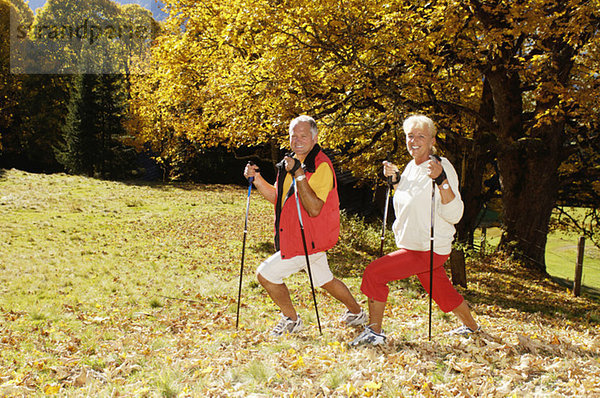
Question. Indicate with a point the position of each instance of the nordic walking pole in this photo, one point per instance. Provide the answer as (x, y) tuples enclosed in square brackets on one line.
[(237, 317), (431, 252), (385, 212), (312, 286)]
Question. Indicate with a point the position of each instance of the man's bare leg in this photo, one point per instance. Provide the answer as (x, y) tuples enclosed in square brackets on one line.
[(340, 291), (280, 295)]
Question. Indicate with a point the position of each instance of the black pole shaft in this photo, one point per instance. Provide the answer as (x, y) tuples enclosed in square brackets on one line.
[(431, 253), (237, 317), (312, 286)]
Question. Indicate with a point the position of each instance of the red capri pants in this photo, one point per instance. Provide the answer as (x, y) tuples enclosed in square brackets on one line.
[(404, 263)]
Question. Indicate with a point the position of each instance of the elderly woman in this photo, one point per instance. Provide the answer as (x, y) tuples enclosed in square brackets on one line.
[(412, 206)]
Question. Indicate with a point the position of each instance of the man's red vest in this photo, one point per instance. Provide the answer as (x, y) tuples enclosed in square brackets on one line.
[(321, 232)]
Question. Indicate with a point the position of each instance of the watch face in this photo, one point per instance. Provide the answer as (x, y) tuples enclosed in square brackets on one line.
[(445, 186)]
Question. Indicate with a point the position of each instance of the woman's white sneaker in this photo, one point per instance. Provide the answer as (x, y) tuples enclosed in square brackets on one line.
[(462, 331), (369, 337)]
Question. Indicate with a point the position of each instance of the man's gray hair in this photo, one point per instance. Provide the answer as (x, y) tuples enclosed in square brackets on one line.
[(420, 121), (305, 118)]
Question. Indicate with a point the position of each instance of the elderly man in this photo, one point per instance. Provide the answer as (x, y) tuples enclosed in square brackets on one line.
[(319, 204)]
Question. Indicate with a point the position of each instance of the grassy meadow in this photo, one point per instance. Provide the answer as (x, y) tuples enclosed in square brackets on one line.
[(128, 289), (561, 257)]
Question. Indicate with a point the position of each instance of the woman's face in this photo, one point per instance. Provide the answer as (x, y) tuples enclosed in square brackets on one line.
[(419, 143)]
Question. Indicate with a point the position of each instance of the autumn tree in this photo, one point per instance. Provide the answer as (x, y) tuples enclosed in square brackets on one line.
[(41, 104), (503, 81), (67, 38), (6, 84), (533, 56), (144, 29), (12, 13)]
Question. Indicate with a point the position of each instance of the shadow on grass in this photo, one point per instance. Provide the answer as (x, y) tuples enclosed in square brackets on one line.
[(492, 281), (265, 247), (185, 186), (510, 286), (348, 263), (589, 292)]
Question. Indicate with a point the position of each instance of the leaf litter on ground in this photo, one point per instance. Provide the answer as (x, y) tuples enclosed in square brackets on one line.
[(124, 289)]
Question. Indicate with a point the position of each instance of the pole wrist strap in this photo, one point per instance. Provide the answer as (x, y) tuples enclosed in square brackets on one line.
[(440, 179), (297, 165)]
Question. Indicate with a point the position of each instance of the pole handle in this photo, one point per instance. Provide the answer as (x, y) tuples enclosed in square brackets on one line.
[(385, 211), (251, 179), (389, 159)]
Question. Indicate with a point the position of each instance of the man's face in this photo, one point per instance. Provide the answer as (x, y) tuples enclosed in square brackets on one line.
[(419, 143), (301, 140)]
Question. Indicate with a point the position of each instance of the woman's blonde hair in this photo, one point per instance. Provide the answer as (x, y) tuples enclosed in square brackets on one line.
[(420, 121)]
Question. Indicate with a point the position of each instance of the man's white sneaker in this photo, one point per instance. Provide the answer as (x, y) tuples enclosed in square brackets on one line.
[(286, 325), (368, 336), (462, 331), (351, 319)]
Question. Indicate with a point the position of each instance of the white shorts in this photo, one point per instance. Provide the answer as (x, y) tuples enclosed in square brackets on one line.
[(275, 269)]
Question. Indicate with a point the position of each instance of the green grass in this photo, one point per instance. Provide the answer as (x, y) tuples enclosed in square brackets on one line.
[(128, 289), (561, 256)]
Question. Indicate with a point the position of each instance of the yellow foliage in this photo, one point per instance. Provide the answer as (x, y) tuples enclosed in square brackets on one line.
[(234, 73), (51, 389)]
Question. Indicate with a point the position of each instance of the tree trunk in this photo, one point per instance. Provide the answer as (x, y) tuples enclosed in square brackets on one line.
[(457, 266), (275, 151), (528, 204), (471, 178), (476, 154), (528, 164)]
